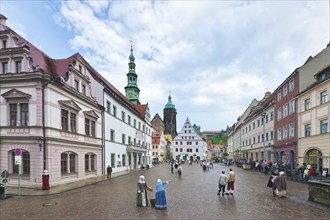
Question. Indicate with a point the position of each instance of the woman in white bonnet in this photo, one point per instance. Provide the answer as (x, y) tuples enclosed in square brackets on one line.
[(160, 194), (142, 196), (280, 185)]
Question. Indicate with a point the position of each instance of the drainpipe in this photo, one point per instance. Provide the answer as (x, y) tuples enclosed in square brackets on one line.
[(43, 118)]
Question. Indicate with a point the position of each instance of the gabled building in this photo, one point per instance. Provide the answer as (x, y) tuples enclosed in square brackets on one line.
[(285, 141), (48, 112), (159, 144), (313, 120), (188, 144)]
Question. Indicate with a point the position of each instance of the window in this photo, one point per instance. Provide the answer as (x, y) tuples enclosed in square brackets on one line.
[(83, 89), (5, 67), (258, 138), (64, 119), (129, 119), (112, 136), (180, 149), (76, 85), (114, 108), (254, 125), (73, 122), (285, 132), (272, 116), (123, 116), (93, 128), (285, 90), (24, 114), (279, 134), (196, 150), (123, 137), (291, 106), (18, 66), (123, 160), (323, 97), (267, 136), (108, 106), (279, 95), (307, 130), (323, 126), (4, 44), (13, 114), (87, 126), (258, 122), (291, 85), (134, 123), (130, 140), (285, 110), (307, 104), (291, 130), (113, 160), (267, 118), (139, 126), (279, 114), (271, 135), (80, 68), (196, 142)]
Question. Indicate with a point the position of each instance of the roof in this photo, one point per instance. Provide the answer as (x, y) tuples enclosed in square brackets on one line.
[(59, 67)]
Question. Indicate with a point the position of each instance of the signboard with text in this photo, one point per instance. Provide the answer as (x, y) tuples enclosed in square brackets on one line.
[(18, 160)]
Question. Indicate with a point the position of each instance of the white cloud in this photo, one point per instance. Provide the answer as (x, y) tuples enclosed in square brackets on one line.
[(213, 56)]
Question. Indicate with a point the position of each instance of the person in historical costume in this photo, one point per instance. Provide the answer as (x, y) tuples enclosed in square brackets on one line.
[(142, 195), (280, 185), (160, 194), (271, 182)]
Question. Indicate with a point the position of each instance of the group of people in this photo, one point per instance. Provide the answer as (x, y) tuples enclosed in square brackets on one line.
[(228, 180), (177, 166), (142, 195), (305, 172), (206, 164), (278, 183)]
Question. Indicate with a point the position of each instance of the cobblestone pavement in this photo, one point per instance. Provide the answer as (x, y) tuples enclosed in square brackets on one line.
[(192, 196)]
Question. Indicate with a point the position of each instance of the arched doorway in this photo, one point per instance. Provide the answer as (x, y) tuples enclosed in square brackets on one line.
[(282, 156), (291, 159), (314, 158), (276, 157)]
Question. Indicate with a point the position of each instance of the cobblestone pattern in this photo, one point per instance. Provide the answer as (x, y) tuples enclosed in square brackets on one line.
[(192, 196)]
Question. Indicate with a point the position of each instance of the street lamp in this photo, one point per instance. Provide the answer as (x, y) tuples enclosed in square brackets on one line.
[(263, 115)]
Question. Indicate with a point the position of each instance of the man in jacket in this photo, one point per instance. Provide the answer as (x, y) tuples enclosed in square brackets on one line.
[(222, 183)]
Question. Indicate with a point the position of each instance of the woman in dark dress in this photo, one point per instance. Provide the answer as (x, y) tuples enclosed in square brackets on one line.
[(142, 196)]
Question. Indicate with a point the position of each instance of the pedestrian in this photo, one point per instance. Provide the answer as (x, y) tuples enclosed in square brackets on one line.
[(142, 195), (222, 183), (280, 185), (109, 171), (271, 182), (160, 194), (311, 173), (171, 164), (231, 181), (180, 169)]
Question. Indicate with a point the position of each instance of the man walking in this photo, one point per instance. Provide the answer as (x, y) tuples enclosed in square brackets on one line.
[(231, 181), (222, 183)]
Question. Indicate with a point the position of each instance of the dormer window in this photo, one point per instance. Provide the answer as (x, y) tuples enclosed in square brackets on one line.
[(76, 85), (83, 89), (18, 66)]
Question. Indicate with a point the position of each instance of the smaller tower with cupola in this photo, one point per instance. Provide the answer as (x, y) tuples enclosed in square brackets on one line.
[(132, 91), (170, 118)]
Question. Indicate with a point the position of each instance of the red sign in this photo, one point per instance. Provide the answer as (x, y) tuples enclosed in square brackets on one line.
[(18, 152)]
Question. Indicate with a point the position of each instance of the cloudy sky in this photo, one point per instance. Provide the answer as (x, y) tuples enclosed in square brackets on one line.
[(214, 56)]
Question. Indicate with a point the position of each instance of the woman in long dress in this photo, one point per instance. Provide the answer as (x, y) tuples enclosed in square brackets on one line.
[(142, 196), (280, 185), (160, 194)]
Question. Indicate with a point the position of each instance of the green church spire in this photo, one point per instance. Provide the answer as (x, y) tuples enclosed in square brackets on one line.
[(169, 103), (132, 90)]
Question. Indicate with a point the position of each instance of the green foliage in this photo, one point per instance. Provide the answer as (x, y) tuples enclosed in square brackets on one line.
[(225, 154), (221, 138)]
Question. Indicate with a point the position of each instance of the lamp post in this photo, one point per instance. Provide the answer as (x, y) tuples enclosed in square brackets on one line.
[(263, 114)]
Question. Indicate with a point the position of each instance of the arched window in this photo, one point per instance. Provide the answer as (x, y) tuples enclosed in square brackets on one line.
[(314, 158), (68, 163)]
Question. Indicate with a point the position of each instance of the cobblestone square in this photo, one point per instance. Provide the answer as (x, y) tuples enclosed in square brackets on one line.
[(192, 196)]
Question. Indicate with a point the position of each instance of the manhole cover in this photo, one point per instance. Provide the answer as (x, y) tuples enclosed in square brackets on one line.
[(49, 204)]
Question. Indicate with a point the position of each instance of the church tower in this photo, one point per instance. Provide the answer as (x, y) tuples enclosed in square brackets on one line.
[(132, 91), (170, 118)]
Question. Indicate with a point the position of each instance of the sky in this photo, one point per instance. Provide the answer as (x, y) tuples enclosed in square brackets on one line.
[(213, 57)]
